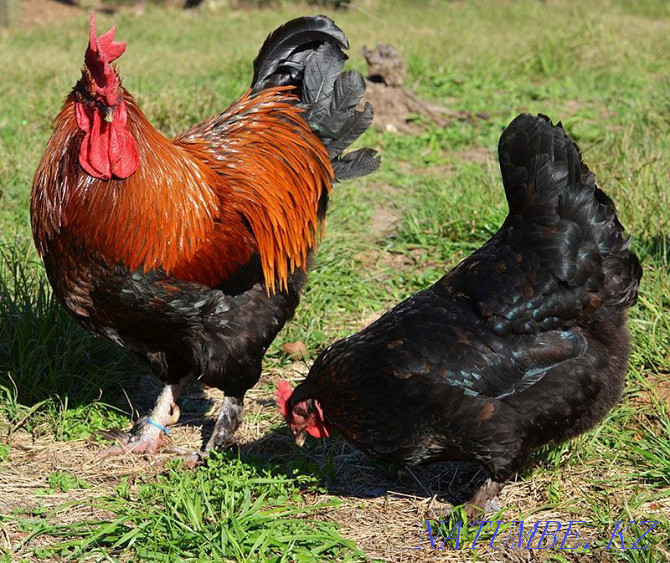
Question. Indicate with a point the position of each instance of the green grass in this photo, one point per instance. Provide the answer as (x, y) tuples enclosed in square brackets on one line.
[(55, 371), (232, 510), (601, 68)]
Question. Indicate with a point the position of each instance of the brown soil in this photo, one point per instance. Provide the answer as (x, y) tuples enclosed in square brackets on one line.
[(398, 109)]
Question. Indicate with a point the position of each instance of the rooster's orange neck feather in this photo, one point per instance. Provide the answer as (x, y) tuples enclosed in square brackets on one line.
[(249, 180)]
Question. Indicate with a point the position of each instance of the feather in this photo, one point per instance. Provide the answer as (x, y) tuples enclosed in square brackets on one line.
[(321, 72), (307, 53), (521, 344), (196, 257), (348, 130), (281, 60), (356, 163)]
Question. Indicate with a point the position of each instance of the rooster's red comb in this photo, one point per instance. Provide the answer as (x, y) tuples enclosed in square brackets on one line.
[(101, 52)]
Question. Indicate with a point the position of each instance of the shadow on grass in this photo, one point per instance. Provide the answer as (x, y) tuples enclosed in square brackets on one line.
[(347, 472)]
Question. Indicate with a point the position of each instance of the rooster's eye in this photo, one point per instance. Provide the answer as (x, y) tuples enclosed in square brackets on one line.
[(301, 412)]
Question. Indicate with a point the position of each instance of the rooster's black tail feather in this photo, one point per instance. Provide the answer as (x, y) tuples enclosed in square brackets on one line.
[(307, 53)]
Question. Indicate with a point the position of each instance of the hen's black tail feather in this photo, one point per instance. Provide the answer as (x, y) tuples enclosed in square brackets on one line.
[(307, 53), (546, 181)]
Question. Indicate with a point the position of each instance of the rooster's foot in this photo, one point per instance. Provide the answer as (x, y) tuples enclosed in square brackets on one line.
[(192, 459), (146, 437), (149, 433), (227, 423)]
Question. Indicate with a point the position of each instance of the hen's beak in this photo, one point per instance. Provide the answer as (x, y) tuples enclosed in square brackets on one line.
[(300, 438), (108, 113)]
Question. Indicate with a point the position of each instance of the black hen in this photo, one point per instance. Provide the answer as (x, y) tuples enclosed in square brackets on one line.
[(523, 343)]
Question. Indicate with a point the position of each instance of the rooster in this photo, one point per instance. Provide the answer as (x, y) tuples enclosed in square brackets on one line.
[(523, 343), (193, 251)]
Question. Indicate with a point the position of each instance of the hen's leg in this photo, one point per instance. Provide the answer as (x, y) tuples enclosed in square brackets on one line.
[(481, 502), (148, 433)]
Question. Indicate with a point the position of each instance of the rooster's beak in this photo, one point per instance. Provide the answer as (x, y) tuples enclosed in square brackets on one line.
[(108, 113)]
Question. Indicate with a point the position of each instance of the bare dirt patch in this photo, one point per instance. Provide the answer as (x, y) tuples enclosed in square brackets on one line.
[(659, 388), (480, 155), (385, 216), (398, 109), (383, 222), (661, 385)]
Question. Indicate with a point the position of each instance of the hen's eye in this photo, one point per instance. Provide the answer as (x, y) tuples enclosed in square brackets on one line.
[(301, 412)]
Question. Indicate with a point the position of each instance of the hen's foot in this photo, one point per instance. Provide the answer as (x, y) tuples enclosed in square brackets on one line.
[(149, 433), (484, 500)]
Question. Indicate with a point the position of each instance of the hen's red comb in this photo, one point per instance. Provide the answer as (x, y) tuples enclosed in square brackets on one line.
[(284, 392), (100, 53)]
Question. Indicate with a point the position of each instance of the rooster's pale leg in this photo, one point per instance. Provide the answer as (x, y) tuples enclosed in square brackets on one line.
[(147, 436)]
